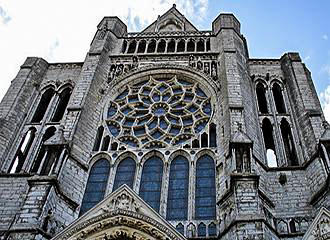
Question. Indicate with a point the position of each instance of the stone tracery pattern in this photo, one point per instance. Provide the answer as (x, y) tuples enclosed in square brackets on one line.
[(159, 112)]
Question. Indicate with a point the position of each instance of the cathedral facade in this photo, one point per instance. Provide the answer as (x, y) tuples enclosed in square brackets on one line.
[(167, 133)]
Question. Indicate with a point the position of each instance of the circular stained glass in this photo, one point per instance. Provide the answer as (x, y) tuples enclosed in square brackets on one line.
[(159, 112)]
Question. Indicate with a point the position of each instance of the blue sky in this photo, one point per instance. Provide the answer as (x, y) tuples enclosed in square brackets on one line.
[(61, 31)]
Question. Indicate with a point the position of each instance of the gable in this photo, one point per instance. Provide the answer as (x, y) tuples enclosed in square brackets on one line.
[(122, 214), (172, 20), (320, 227)]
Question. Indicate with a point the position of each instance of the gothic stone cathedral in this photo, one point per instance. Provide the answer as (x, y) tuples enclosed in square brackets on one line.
[(171, 134)]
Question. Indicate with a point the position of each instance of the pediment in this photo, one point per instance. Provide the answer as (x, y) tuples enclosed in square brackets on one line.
[(121, 215), (171, 21), (320, 227)]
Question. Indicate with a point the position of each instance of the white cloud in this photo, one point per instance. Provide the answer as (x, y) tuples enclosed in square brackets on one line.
[(4, 16), (325, 101), (326, 69), (325, 37), (61, 31)]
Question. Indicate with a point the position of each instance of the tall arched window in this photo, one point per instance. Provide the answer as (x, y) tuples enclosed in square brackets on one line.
[(161, 46), (23, 151), (181, 46), (96, 185), (131, 47), (151, 46), (261, 97), (267, 130), (43, 105), (213, 135), (278, 98), (191, 45), (171, 46), (43, 149), (151, 182), (289, 145), (98, 138), (125, 173), (205, 189), (177, 200), (200, 46), (142, 46), (62, 104)]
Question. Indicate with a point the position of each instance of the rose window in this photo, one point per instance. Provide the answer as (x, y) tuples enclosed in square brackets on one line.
[(158, 112)]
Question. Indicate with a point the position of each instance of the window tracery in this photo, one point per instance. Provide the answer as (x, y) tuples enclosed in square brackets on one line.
[(159, 112)]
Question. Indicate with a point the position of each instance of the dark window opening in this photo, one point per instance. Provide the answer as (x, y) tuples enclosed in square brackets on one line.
[(191, 46), (292, 226), (124, 46), (201, 230), (200, 46), (278, 98), (204, 140), (181, 46), (212, 230), (105, 143), (261, 97), (96, 185), (267, 130), (51, 158), (131, 47), (151, 46), (98, 138), (171, 46), (289, 145), (151, 182), (125, 173), (43, 149), (23, 151), (177, 200), (242, 155), (208, 45), (186, 146), (114, 146), (213, 135), (161, 46), (62, 104), (205, 202), (180, 228), (195, 143), (142, 46), (43, 105)]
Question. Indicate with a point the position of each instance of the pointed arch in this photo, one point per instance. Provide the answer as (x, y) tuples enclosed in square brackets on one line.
[(131, 47), (205, 195), (151, 46), (213, 135), (43, 149), (151, 182), (98, 138), (171, 46), (142, 46), (191, 45), (96, 185), (278, 98), (23, 150), (161, 46), (43, 105), (125, 173), (177, 199), (267, 131), (261, 97), (289, 146), (200, 45), (181, 46), (64, 98)]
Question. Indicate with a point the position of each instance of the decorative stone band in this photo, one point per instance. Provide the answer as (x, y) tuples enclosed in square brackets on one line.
[(106, 223)]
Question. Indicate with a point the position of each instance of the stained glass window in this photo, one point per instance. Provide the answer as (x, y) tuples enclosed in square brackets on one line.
[(177, 201), (96, 185), (151, 182), (165, 104), (205, 188), (125, 173)]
